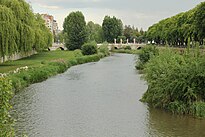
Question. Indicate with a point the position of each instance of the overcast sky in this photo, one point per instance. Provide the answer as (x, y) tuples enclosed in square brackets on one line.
[(140, 13)]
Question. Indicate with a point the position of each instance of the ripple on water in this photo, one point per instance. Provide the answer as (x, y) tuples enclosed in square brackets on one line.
[(97, 100)]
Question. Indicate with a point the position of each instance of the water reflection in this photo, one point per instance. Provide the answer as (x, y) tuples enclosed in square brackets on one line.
[(162, 123)]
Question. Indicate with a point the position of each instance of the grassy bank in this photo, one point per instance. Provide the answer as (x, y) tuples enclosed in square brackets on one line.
[(16, 75), (175, 80), (37, 60)]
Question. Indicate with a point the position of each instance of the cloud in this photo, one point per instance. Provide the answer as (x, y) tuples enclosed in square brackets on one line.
[(141, 13), (49, 7)]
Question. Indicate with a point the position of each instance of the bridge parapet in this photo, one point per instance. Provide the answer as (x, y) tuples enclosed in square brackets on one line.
[(133, 46)]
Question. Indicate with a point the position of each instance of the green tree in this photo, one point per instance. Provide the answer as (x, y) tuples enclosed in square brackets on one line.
[(112, 28), (199, 21), (178, 29), (8, 33), (60, 37), (43, 36), (94, 32), (128, 32), (75, 28), (20, 30)]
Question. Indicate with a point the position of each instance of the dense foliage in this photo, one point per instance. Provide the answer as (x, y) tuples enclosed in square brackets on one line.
[(75, 29), (104, 49), (20, 30), (6, 123), (176, 82), (89, 48), (95, 32), (178, 29), (145, 54), (59, 38), (112, 28), (132, 33), (127, 48)]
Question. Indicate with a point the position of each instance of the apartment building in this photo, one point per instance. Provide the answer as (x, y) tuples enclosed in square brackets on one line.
[(51, 23)]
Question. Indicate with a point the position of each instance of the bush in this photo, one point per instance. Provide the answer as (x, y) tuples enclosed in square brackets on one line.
[(78, 53), (89, 48), (73, 62), (86, 59), (127, 48), (198, 109), (176, 82), (6, 94), (145, 55), (104, 49)]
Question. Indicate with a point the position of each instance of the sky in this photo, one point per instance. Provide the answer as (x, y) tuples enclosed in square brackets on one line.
[(140, 13)]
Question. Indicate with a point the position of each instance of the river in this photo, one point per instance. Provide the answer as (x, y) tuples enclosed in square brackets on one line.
[(98, 99)]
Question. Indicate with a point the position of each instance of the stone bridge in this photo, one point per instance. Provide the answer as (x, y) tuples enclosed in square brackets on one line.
[(56, 46), (133, 46)]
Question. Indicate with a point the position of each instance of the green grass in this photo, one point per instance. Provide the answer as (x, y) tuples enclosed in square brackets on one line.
[(37, 60)]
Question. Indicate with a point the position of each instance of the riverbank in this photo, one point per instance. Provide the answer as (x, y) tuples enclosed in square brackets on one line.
[(105, 93), (16, 75), (39, 67), (175, 79)]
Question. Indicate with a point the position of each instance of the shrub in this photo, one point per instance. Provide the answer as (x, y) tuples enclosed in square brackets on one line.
[(73, 62), (6, 94), (145, 55), (78, 53), (104, 49), (86, 59), (127, 48), (198, 109), (89, 48), (176, 82)]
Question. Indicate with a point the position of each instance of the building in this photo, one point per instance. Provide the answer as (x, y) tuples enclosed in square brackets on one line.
[(51, 23), (55, 27)]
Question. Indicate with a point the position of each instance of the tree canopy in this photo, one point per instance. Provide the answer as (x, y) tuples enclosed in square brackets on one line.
[(95, 32), (112, 28), (132, 33), (21, 31), (75, 29), (178, 29)]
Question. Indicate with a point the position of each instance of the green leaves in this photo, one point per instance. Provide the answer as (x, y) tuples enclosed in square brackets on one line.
[(95, 32), (177, 29), (6, 123), (75, 28), (176, 82), (145, 55), (89, 48), (199, 20), (20, 30), (112, 28)]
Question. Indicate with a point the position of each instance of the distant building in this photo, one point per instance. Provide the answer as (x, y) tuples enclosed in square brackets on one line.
[(51, 23), (55, 27)]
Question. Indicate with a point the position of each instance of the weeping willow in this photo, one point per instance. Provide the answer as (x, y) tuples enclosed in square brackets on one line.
[(8, 32), (43, 36), (21, 31)]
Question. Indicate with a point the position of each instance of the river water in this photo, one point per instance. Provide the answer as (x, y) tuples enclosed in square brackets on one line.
[(97, 100)]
